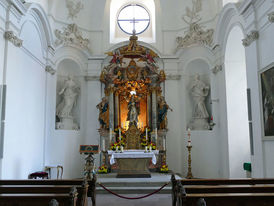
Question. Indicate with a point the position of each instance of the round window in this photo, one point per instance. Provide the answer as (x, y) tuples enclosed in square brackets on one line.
[(133, 17)]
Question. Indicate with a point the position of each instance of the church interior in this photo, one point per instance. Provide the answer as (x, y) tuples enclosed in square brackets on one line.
[(142, 87)]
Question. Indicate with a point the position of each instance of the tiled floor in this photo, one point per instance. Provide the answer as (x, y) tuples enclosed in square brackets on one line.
[(111, 200)]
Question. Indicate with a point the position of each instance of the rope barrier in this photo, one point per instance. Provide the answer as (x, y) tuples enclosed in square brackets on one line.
[(133, 198)]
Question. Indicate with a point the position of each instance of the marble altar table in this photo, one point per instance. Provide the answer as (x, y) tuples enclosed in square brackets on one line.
[(133, 163)]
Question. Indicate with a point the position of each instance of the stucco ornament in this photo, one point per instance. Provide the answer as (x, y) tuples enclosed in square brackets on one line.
[(74, 7), (71, 35), (271, 17), (253, 36), (10, 36), (195, 33)]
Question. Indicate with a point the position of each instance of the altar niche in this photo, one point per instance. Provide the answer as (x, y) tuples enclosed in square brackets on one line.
[(133, 113)]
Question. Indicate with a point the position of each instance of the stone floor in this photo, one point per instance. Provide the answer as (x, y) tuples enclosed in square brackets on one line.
[(111, 200)]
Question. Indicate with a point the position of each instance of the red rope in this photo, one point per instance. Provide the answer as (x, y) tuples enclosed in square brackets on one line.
[(133, 198)]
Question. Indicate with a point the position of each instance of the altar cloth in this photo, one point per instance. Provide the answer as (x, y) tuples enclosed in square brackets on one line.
[(133, 154)]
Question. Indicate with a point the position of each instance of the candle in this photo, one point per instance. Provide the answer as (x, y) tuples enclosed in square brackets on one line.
[(122, 148), (103, 144), (146, 134), (110, 135), (189, 137), (156, 135), (150, 148), (116, 149), (164, 144), (145, 148), (120, 134)]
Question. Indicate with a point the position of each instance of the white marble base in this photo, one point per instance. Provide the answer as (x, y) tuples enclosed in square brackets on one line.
[(67, 123), (199, 124)]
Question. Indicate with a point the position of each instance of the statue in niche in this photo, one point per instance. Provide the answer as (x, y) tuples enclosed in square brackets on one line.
[(133, 111), (199, 91), (104, 113), (162, 112), (68, 93)]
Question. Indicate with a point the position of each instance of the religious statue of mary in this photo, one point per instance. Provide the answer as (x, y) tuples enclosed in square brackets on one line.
[(133, 111)]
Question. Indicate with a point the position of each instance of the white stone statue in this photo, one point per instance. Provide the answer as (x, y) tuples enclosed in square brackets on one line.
[(199, 91), (68, 93)]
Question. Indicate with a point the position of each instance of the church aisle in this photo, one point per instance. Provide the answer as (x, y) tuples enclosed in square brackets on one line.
[(157, 199)]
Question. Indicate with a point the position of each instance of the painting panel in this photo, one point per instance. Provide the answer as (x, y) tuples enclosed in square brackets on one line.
[(267, 79)]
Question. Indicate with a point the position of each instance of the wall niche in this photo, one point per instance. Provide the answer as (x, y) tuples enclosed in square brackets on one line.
[(68, 90), (199, 109)]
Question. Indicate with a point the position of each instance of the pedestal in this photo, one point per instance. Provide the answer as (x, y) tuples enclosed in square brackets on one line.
[(67, 123)]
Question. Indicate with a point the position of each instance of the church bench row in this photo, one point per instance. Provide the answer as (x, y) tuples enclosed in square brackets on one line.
[(255, 192), (84, 189), (30, 199)]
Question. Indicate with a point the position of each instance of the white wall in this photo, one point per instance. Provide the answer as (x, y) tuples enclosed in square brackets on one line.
[(237, 114), (25, 108)]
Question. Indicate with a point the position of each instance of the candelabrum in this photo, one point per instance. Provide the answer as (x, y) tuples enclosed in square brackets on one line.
[(189, 173)]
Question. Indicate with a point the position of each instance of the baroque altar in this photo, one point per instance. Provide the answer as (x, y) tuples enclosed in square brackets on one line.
[(133, 112)]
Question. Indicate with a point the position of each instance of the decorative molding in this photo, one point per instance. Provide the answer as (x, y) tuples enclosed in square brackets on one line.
[(217, 69), (254, 35), (74, 7), (92, 78), (50, 70), (71, 35), (271, 17), (195, 33), (10, 36), (173, 77)]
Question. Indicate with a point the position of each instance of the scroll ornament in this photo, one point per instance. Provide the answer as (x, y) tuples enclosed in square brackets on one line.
[(254, 35), (71, 35)]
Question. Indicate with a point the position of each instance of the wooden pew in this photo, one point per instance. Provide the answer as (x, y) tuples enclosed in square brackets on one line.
[(84, 188), (225, 192), (34, 199)]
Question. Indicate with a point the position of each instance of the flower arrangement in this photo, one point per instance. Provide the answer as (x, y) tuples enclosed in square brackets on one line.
[(118, 144), (145, 137), (153, 146), (164, 168), (143, 141), (103, 169)]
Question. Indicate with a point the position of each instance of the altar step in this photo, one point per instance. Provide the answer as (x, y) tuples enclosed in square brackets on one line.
[(134, 185)]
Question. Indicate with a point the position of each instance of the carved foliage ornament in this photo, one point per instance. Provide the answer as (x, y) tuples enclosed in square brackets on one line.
[(254, 35), (271, 17), (217, 69), (195, 33), (71, 35), (10, 36), (50, 70), (74, 7)]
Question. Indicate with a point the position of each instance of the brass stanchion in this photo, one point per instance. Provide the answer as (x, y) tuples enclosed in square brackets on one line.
[(189, 172)]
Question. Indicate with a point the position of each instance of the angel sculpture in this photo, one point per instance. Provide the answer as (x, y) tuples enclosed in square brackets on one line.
[(74, 8), (192, 16)]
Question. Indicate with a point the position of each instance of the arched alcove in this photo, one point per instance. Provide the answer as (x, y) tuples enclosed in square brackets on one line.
[(68, 76), (196, 67), (236, 97)]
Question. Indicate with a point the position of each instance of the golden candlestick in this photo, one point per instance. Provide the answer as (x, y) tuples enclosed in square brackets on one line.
[(189, 173)]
